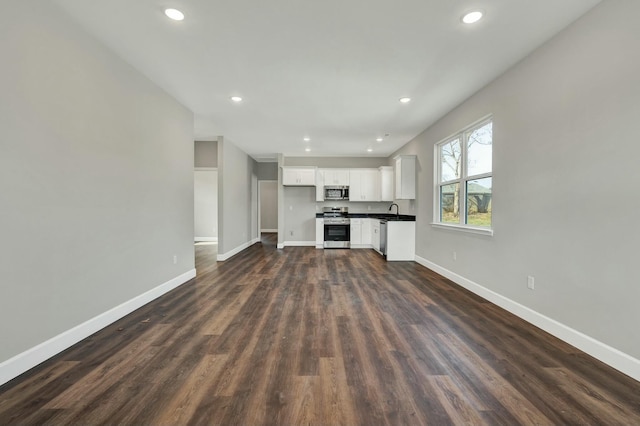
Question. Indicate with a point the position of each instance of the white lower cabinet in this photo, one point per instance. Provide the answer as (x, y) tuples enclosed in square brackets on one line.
[(366, 232), (356, 232), (319, 233), (320, 185), (361, 233), (401, 240)]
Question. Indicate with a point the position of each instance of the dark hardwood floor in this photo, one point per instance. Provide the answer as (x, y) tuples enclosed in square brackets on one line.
[(306, 336)]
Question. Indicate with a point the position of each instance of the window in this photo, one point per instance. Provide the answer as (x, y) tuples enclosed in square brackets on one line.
[(463, 178)]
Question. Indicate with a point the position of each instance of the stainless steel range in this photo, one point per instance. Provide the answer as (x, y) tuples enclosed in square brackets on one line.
[(337, 227)]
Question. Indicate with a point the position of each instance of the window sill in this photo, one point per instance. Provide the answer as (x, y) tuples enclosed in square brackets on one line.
[(469, 229)]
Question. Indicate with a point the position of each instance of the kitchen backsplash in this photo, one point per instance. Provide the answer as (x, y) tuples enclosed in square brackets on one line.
[(373, 207)]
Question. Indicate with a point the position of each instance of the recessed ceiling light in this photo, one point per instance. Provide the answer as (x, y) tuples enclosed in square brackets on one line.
[(379, 140), (306, 139), (307, 149), (369, 149), (405, 100), (236, 99), (174, 14), (471, 17)]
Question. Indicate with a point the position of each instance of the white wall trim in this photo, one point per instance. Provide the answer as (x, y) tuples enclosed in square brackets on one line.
[(599, 350), (28, 359), (463, 228), (225, 256), (269, 230), (299, 244), (206, 239), (280, 246)]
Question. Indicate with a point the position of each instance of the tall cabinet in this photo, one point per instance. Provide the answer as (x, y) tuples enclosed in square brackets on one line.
[(405, 177), (386, 183)]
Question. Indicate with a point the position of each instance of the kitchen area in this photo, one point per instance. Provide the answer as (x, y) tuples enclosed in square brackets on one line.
[(353, 208)]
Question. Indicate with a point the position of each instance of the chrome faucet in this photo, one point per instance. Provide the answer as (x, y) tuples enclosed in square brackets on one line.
[(397, 208)]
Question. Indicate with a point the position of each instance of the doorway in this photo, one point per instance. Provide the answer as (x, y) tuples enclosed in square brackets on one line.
[(268, 207), (205, 197)]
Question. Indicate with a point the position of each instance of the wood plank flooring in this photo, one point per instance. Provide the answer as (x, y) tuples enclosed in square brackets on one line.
[(305, 336)]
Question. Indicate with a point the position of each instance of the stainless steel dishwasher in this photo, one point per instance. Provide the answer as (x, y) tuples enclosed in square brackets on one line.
[(383, 237)]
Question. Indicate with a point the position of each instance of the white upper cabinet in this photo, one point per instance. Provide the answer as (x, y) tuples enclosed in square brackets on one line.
[(364, 185), (386, 183), (320, 185), (299, 176), (336, 177), (405, 177)]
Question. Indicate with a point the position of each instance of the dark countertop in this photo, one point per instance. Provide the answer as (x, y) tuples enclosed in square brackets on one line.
[(383, 216)]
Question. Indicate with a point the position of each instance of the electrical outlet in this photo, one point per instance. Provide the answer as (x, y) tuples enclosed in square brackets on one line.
[(368, 207), (455, 255), (175, 259), (531, 285)]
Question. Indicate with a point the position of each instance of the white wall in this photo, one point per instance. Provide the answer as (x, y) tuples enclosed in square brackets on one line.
[(267, 171), (205, 154), (268, 206), (237, 198), (565, 181), (300, 213), (96, 183), (205, 194)]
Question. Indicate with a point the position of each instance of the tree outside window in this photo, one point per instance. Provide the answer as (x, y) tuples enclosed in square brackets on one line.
[(464, 177)]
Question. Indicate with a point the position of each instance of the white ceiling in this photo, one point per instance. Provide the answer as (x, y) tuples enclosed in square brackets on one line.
[(332, 70)]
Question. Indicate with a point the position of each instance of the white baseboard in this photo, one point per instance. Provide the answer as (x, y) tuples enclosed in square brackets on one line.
[(353, 246), (28, 359), (280, 246), (599, 350), (299, 244), (206, 239), (226, 256), (271, 231)]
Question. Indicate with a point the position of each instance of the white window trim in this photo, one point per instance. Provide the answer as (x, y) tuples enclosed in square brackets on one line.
[(463, 228), (437, 223)]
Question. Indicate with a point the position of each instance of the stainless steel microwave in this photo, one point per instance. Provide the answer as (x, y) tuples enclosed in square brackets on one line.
[(336, 192)]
